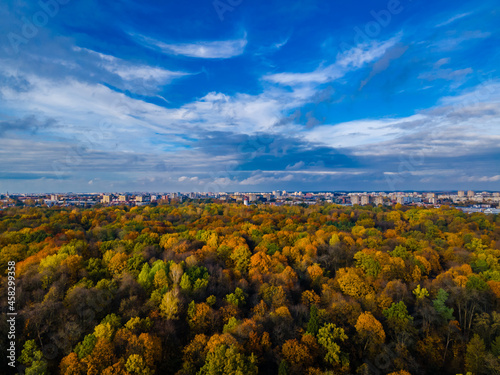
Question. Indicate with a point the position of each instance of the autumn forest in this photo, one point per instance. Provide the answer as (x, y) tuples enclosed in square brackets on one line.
[(207, 289)]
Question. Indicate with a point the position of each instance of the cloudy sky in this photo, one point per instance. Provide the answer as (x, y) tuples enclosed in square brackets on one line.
[(240, 95)]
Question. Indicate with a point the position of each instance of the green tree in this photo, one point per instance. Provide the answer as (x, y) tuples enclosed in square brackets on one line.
[(495, 347), (137, 366), (328, 336), (226, 360), (185, 283), (237, 298), (85, 347), (400, 252), (439, 305), (313, 323), (397, 316), (33, 359), (474, 357), (476, 282), (367, 263)]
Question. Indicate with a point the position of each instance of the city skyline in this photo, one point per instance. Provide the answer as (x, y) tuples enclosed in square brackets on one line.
[(467, 201), (249, 96)]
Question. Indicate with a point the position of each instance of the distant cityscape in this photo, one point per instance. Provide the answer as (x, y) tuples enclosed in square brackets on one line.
[(468, 201)]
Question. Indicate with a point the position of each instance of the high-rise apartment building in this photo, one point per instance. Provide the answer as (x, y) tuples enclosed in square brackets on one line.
[(365, 200)]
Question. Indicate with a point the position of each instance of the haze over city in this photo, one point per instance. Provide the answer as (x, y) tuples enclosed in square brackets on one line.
[(103, 96)]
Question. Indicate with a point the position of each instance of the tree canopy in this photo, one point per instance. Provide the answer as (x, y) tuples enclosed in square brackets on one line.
[(207, 288)]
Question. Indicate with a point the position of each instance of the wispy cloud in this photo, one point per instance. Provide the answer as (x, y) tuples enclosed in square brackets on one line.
[(446, 74), (281, 44), (449, 44), (223, 49), (347, 61), (454, 18), (129, 71), (495, 178)]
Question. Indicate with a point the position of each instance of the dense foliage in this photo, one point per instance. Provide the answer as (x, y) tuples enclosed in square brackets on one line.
[(226, 289)]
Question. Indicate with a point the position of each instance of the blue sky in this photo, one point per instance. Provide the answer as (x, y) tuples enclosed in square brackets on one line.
[(240, 95)]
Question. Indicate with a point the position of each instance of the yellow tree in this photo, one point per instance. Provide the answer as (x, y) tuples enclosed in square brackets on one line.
[(314, 272), (370, 331), (241, 258), (170, 304), (136, 366), (176, 272), (351, 283), (118, 263)]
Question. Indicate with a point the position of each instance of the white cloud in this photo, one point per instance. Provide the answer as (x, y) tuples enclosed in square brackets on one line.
[(347, 61), (366, 52), (223, 49), (343, 172), (83, 106), (146, 73), (279, 45), (441, 62), (355, 134), (490, 179), (136, 125), (454, 18), (486, 92), (260, 179), (481, 179), (461, 125), (318, 76), (130, 71), (187, 179), (295, 166)]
